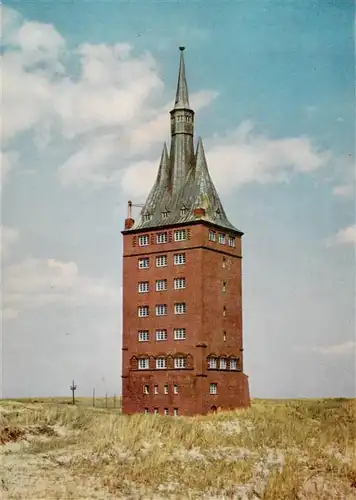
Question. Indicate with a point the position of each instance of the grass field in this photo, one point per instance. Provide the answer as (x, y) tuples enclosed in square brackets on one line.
[(297, 449)]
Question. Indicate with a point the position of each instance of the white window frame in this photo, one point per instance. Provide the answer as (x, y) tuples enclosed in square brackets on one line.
[(179, 283), (143, 363), (165, 389), (165, 411), (179, 259), (143, 287), (143, 311), (143, 263), (143, 336), (222, 363), (180, 235), (223, 286), (161, 363), (180, 362), (212, 235), (161, 261), (180, 308), (143, 240), (179, 333), (155, 389), (147, 411), (175, 412), (162, 237), (161, 310), (222, 239), (213, 363), (175, 389), (233, 364), (161, 335), (231, 241), (161, 285), (213, 388), (146, 389)]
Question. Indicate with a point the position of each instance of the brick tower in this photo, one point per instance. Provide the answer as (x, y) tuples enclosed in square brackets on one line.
[(182, 310)]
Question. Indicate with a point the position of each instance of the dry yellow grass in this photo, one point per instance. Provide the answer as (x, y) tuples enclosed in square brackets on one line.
[(302, 449)]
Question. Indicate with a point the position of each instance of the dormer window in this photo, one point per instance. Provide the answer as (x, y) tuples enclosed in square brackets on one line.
[(183, 210), (217, 214), (147, 216), (165, 214)]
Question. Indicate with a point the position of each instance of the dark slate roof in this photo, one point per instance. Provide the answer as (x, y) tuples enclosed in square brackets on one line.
[(183, 182)]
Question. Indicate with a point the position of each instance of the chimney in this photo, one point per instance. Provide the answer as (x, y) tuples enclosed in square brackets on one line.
[(129, 221)]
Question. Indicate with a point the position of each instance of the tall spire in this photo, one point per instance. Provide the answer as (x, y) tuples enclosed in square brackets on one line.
[(163, 171), (182, 98)]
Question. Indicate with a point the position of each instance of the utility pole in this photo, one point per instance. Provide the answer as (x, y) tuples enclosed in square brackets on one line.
[(93, 397), (73, 387)]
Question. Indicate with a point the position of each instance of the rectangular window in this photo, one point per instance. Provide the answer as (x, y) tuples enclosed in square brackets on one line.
[(179, 283), (146, 389), (161, 363), (143, 364), (161, 237), (212, 363), (165, 390), (161, 310), (179, 363), (143, 240), (233, 364), (212, 235), (179, 259), (161, 285), (146, 411), (165, 411), (224, 286), (175, 389), (175, 412), (161, 261), (231, 241), (143, 336), (155, 389), (222, 364), (180, 235), (161, 334), (180, 308), (155, 411), (224, 262), (144, 263), (213, 389), (179, 333), (143, 286), (222, 239), (143, 311)]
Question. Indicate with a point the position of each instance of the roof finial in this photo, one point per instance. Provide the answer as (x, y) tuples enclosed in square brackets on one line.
[(182, 99)]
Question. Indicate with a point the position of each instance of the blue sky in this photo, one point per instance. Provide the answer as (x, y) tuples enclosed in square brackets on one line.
[(87, 89)]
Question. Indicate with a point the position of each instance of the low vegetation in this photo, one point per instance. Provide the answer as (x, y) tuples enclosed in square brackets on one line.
[(298, 449)]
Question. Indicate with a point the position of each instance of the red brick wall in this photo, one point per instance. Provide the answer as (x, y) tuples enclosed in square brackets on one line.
[(204, 322)]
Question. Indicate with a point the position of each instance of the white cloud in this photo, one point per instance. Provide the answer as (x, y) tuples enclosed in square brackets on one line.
[(344, 191), (8, 160), (35, 283), (9, 236), (344, 349), (346, 236)]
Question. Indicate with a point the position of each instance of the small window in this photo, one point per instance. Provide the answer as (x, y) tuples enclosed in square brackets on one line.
[(180, 308), (175, 389), (224, 336), (179, 283), (155, 411), (222, 364), (233, 364), (175, 412), (165, 390), (143, 287), (161, 261), (143, 311), (179, 259), (161, 310), (146, 389), (179, 362), (144, 263), (165, 214), (162, 237), (180, 235), (165, 411), (222, 239), (143, 240), (147, 216), (143, 364), (143, 336), (161, 334), (231, 241), (212, 363), (224, 262), (183, 212), (161, 363), (155, 390), (213, 389), (161, 285), (146, 411), (212, 235), (224, 311), (224, 286), (179, 333)]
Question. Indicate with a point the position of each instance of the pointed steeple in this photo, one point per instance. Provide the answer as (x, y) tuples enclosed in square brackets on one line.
[(164, 170), (182, 97)]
